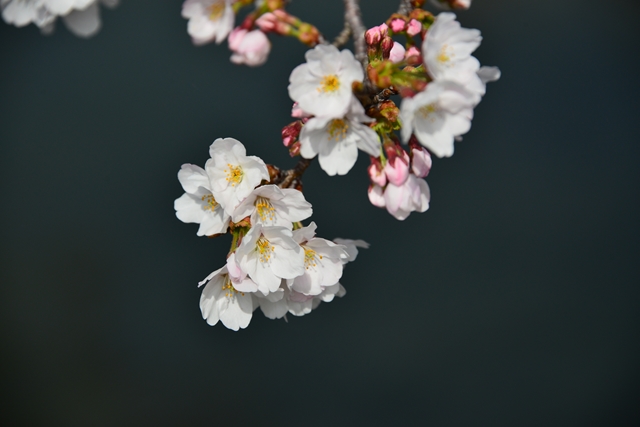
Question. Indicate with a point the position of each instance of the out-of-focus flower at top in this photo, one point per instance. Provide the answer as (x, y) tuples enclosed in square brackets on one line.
[(336, 140), (249, 47), (81, 17), (322, 85), (447, 50), (209, 20), (452, 4), (233, 174)]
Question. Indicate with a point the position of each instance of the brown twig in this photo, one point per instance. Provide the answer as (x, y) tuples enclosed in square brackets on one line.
[(405, 7), (293, 174), (344, 35), (353, 17)]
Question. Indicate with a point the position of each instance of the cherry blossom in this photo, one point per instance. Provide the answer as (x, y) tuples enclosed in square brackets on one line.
[(209, 20), (447, 50), (198, 204), (269, 254), (232, 173), (222, 301), (322, 85), (249, 47), (323, 261), (336, 141), (270, 205), (437, 115)]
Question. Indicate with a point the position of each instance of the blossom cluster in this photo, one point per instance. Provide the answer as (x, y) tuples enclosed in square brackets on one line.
[(81, 17), (274, 263)]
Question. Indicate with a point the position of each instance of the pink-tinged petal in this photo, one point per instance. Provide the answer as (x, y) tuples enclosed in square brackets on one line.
[(376, 196)]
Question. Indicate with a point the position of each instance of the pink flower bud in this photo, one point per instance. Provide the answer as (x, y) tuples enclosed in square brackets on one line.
[(376, 172), (414, 28), (397, 53), (397, 167), (376, 196), (412, 51), (420, 159), (249, 47), (267, 22), (397, 25), (387, 45), (297, 112), (291, 132), (375, 34)]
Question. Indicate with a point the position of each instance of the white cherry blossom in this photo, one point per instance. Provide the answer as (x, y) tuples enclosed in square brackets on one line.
[(447, 50), (269, 254), (233, 174), (270, 205), (437, 115), (222, 301), (336, 140), (322, 85), (323, 261), (209, 20), (401, 200), (197, 204)]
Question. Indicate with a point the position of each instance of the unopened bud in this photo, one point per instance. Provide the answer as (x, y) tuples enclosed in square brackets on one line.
[(386, 45), (291, 132), (397, 25), (397, 167), (376, 172), (414, 27), (420, 158), (294, 149), (397, 53), (267, 22), (375, 34)]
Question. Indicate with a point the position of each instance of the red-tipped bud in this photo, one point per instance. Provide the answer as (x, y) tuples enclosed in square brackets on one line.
[(267, 22), (291, 132), (376, 172), (386, 44), (397, 167), (294, 149), (375, 34), (414, 27), (397, 25)]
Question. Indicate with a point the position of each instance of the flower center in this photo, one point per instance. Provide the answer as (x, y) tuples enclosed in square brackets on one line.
[(446, 54), (234, 174), (228, 288), (211, 203), (264, 247), (427, 110), (338, 129), (310, 258), (216, 9), (329, 83), (265, 209)]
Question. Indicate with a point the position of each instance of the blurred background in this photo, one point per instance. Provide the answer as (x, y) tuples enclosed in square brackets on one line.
[(513, 301)]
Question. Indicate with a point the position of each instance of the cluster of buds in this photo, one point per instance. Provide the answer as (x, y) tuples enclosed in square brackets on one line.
[(275, 262)]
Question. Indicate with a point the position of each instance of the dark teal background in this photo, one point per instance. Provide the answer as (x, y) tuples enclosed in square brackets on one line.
[(513, 301)]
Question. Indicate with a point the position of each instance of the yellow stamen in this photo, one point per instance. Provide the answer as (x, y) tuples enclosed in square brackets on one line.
[(338, 130), (329, 83), (310, 258), (428, 110), (234, 174), (211, 203), (265, 209), (264, 247), (216, 10), (228, 288), (446, 54)]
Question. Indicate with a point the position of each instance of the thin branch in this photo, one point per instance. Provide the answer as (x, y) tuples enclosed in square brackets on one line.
[(293, 174), (344, 35), (353, 16), (405, 7)]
